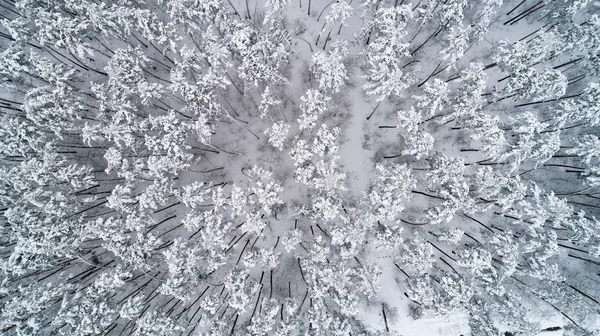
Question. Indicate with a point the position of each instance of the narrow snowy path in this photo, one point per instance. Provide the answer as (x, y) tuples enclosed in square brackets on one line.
[(356, 159)]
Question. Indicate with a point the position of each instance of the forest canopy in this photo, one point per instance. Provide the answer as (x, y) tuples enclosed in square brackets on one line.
[(303, 167)]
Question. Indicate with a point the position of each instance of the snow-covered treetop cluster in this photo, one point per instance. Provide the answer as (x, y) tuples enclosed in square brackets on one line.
[(248, 167)]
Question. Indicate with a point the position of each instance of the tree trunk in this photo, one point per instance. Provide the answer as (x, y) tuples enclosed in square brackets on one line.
[(326, 39), (248, 11)]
